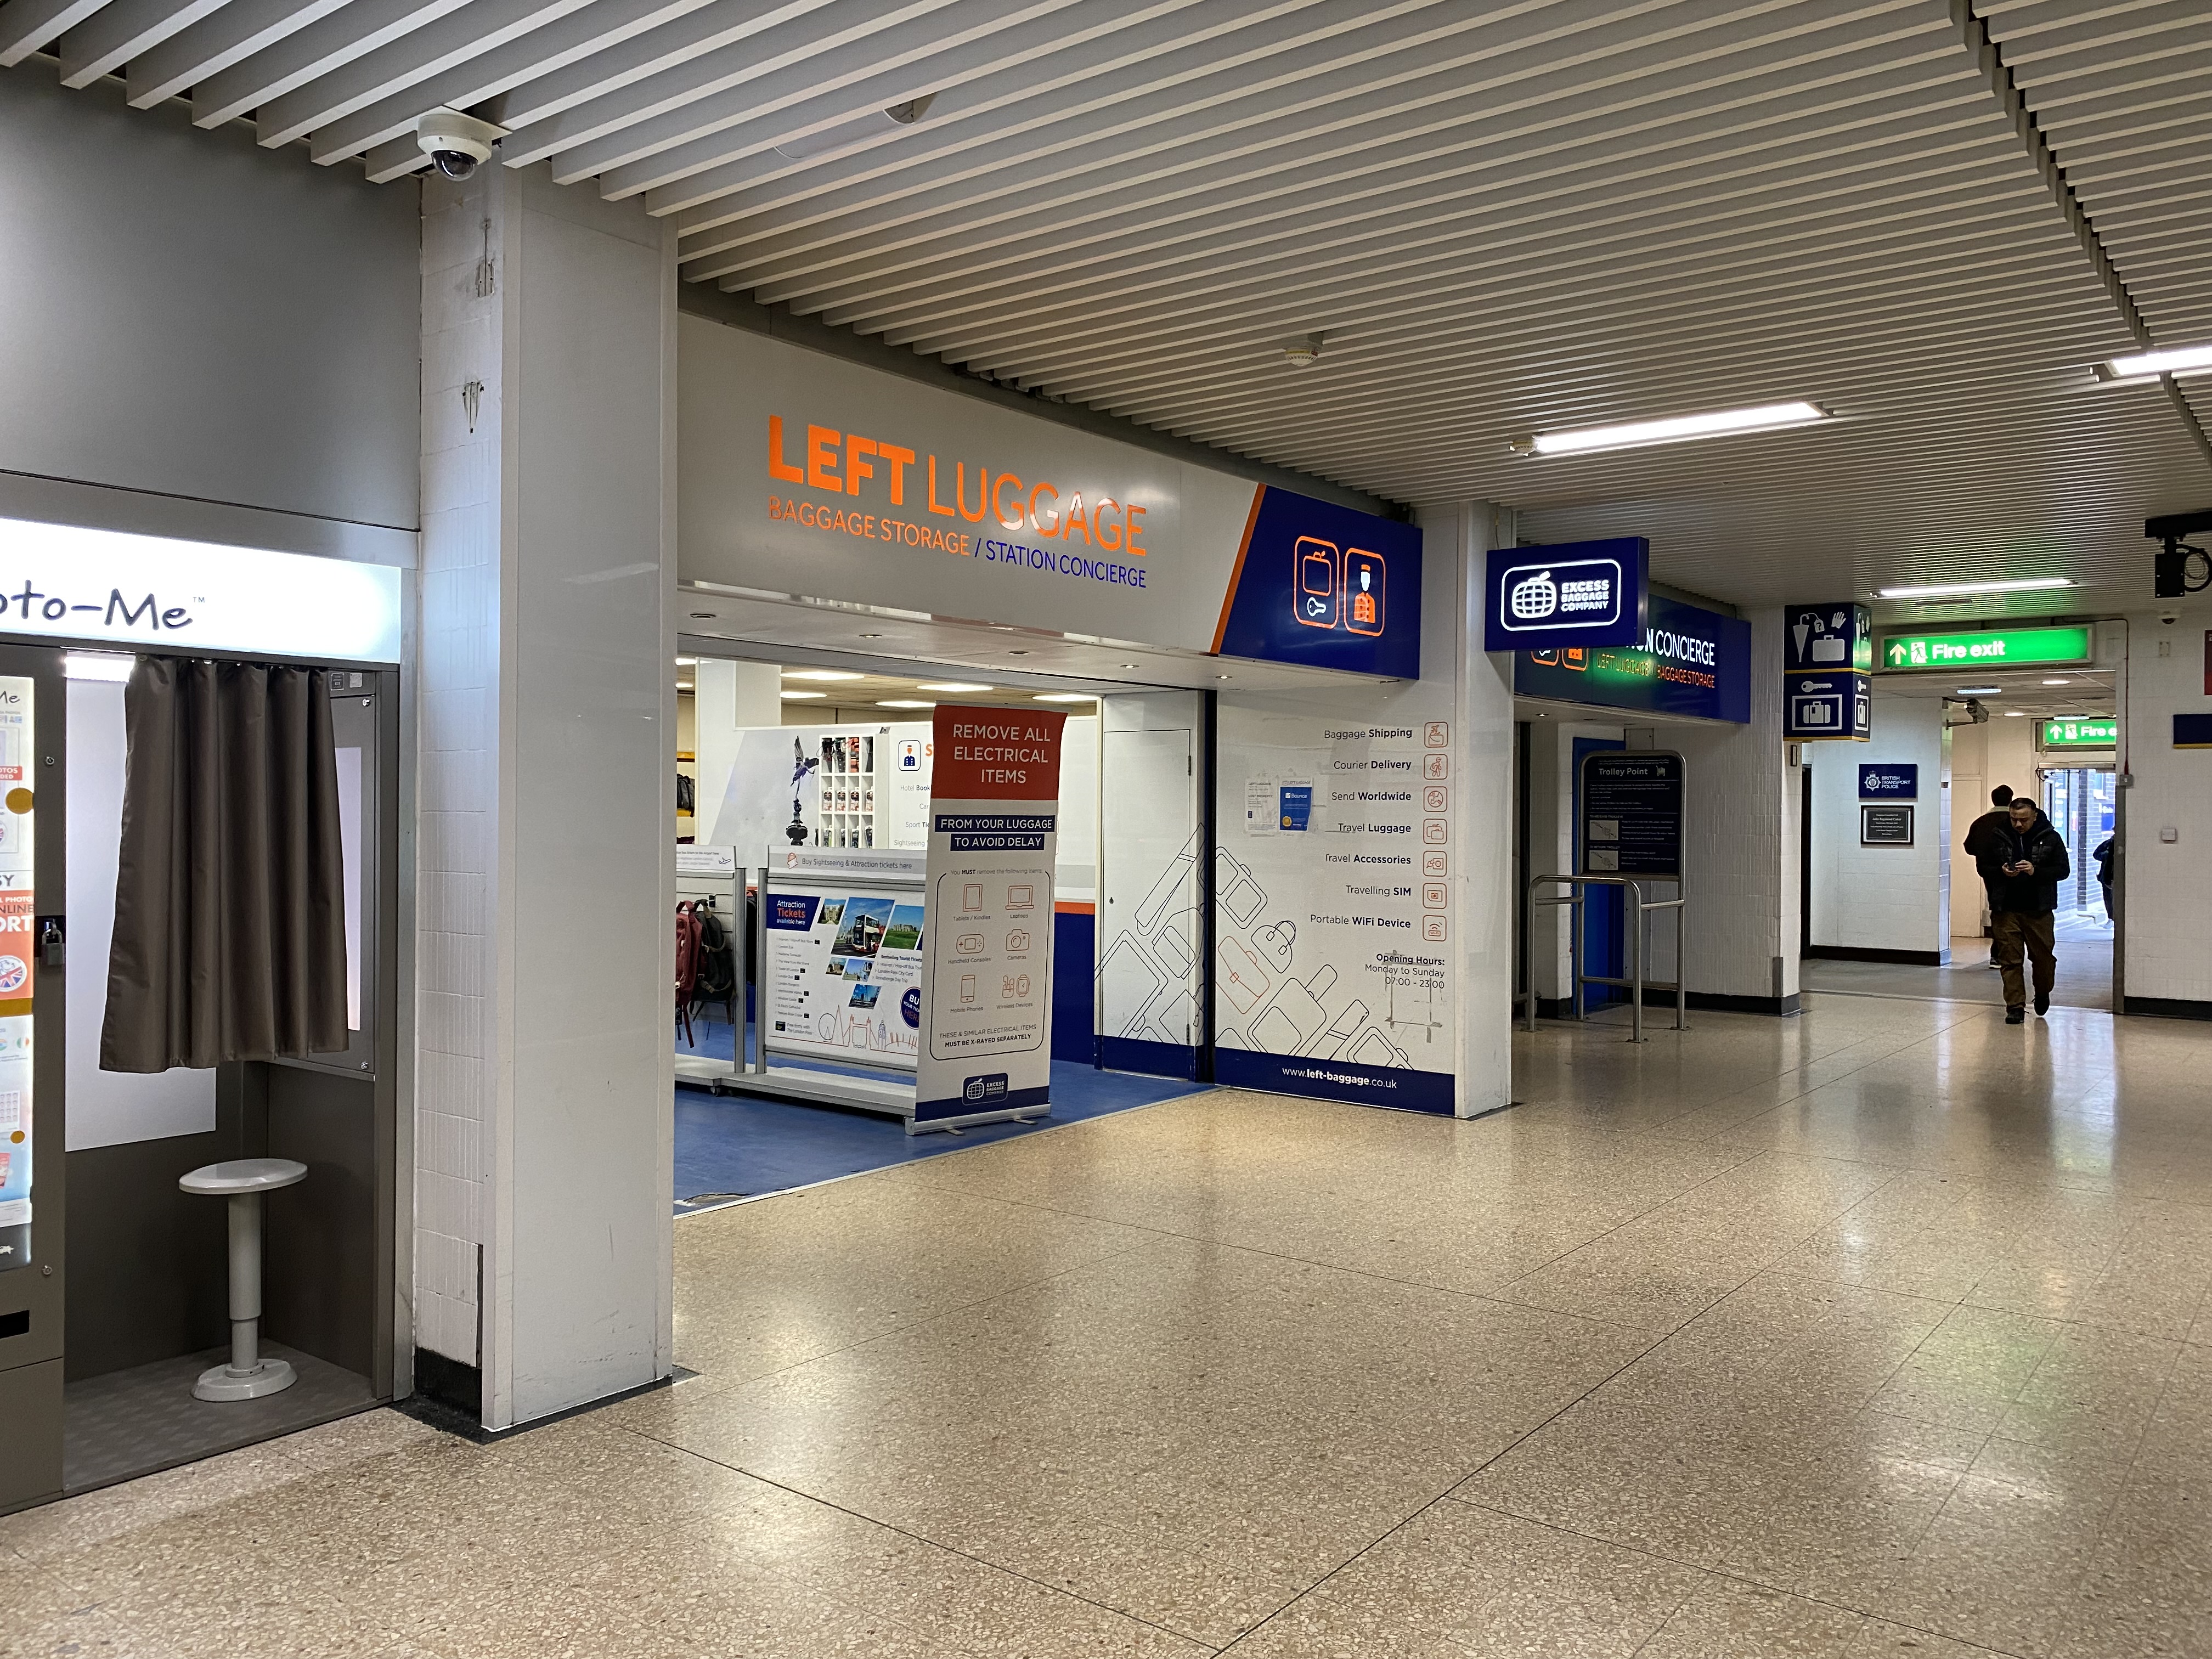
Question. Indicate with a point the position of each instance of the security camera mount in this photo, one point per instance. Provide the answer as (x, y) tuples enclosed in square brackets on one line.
[(2170, 565), (456, 143)]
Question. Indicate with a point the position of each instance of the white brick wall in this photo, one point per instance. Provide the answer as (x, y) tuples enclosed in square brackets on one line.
[(1886, 898), (2168, 885), (456, 750), (1741, 856)]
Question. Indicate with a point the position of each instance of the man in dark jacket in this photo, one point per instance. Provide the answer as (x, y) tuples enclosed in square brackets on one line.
[(1985, 837), (2023, 877)]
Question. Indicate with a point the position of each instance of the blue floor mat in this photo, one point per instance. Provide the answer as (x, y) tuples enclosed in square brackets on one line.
[(742, 1145)]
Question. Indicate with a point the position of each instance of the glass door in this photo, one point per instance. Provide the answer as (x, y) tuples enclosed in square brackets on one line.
[(33, 942)]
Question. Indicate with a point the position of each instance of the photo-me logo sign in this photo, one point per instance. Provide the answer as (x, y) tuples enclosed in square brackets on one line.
[(1585, 593)]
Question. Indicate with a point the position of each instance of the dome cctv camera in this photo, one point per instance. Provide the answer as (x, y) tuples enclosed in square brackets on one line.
[(456, 143)]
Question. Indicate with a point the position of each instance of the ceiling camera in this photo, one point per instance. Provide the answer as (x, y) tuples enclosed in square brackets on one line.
[(456, 143), (2170, 565)]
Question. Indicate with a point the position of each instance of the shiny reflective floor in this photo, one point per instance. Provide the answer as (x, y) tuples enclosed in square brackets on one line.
[(1880, 1331)]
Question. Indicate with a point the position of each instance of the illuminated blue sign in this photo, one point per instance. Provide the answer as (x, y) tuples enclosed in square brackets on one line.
[(1578, 593)]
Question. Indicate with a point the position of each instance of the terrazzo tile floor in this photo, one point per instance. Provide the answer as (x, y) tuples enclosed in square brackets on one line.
[(1883, 1330)]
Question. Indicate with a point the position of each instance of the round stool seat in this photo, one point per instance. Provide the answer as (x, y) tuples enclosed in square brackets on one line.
[(249, 1375), (242, 1175)]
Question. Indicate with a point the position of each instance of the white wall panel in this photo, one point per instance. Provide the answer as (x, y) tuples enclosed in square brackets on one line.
[(183, 312)]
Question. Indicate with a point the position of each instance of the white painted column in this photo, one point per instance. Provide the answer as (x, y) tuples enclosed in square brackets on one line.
[(730, 697), (2165, 884), (1460, 536), (1740, 860), (546, 876)]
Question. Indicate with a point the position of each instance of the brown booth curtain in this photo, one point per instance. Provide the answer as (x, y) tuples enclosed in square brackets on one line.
[(229, 892)]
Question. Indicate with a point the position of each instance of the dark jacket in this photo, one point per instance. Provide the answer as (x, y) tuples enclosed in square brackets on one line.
[(2035, 894), (1988, 843), (2105, 852)]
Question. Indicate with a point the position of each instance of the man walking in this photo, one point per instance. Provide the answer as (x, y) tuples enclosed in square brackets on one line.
[(2024, 898), (1985, 838)]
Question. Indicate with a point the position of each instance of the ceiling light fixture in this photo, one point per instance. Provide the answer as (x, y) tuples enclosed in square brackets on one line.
[(2009, 584), (903, 703), (687, 662), (800, 696), (2148, 364), (1981, 691), (951, 685), (1018, 653), (820, 674), (2062, 680), (1679, 429), (871, 637), (2015, 713), (1064, 696)]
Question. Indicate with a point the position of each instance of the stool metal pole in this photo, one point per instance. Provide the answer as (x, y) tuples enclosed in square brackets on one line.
[(245, 1283)]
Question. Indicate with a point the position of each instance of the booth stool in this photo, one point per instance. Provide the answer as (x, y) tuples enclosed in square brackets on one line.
[(242, 1181)]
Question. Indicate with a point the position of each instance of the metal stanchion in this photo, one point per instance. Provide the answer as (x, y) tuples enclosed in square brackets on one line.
[(1639, 943)]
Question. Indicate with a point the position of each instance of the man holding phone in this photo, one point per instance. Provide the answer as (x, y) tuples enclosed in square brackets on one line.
[(2023, 874)]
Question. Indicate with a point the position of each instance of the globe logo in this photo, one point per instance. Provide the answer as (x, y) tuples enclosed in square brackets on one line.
[(1533, 597)]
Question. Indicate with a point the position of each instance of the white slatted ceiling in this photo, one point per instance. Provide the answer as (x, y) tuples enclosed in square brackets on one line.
[(1503, 217)]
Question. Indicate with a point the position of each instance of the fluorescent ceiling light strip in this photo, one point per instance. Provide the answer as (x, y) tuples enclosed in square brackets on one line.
[(1980, 691), (1677, 429), (2186, 360), (2013, 585), (97, 665)]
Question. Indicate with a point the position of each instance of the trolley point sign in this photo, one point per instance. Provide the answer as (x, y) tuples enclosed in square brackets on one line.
[(2010, 648)]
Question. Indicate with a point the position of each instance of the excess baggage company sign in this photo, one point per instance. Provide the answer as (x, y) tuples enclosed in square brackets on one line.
[(1576, 594)]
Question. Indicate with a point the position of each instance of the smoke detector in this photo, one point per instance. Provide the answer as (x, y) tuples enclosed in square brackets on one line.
[(826, 141), (1305, 353)]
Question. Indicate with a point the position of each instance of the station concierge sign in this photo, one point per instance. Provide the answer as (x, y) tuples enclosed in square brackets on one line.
[(1684, 660)]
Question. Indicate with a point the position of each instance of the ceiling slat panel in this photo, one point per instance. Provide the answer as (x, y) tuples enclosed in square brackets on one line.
[(1501, 219)]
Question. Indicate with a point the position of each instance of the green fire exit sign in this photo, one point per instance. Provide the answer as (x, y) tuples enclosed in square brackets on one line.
[(2009, 647), (2081, 734)]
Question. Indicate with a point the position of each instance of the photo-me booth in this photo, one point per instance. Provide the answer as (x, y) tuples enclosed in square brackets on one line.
[(198, 835), (1258, 832)]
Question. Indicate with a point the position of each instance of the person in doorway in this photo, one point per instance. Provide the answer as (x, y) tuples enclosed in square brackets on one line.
[(2024, 899), (1984, 843), (2104, 854)]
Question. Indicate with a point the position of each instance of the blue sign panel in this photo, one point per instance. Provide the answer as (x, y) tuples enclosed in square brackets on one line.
[(1296, 800), (1891, 781), (1321, 584), (1820, 639), (1578, 593), (1686, 661), (1835, 706)]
